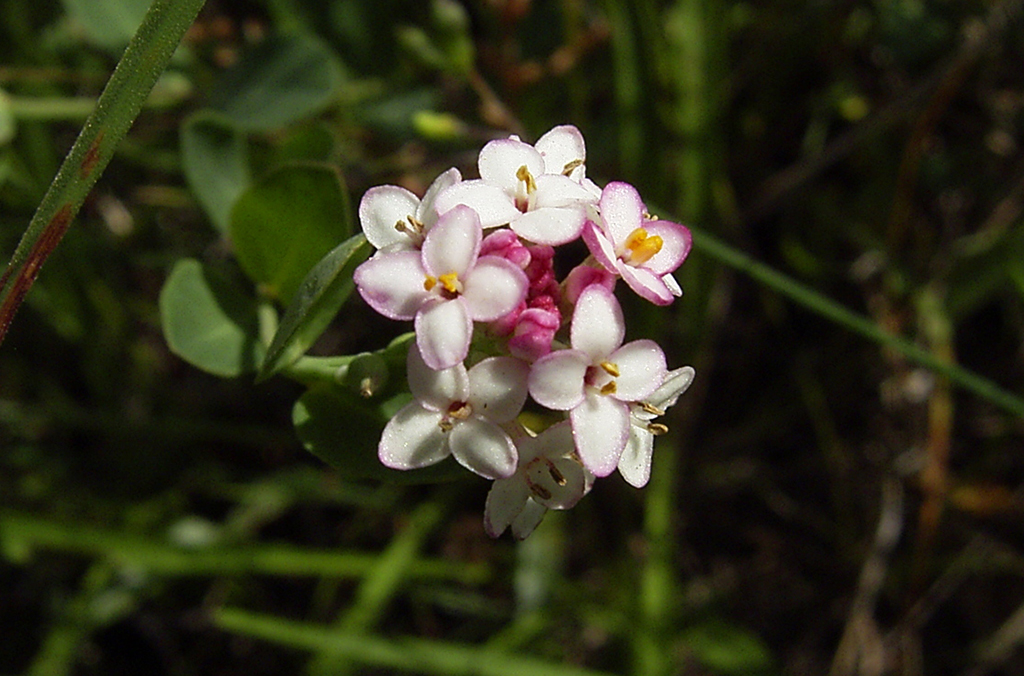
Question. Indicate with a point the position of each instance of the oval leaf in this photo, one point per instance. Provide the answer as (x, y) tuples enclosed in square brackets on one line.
[(108, 23), (343, 430), (284, 224), (318, 300), (282, 79), (208, 320), (214, 158)]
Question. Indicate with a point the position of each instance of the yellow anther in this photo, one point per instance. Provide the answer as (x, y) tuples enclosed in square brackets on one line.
[(524, 175), (642, 246), (611, 368), (657, 429), (460, 410), (571, 166), (366, 389), (556, 476), (429, 283), (540, 491), (451, 282), (652, 409), (609, 388), (446, 425)]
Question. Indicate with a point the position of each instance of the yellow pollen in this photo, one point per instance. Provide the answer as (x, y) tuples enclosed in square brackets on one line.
[(657, 429), (524, 175), (429, 283), (570, 166), (461, 412), (451, 282), (642, 246), (609, 388), (611, 368)]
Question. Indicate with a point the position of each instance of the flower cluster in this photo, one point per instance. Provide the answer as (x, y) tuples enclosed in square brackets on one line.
[(472, 263)]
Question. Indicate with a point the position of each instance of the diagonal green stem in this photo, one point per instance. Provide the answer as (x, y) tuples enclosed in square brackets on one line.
[(142, 63)]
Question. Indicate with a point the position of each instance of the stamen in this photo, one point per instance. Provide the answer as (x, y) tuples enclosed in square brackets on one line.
[(611, 368), (524, 175), (451, 282), (609, 388), (556, 476), (571, 166), (540, 491), (417, 225), (642, 247), (652, 409), (657, 429), (446, 425), (366, 387), (429, 283), (460, 410)]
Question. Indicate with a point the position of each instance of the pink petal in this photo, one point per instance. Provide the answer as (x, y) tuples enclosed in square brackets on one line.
[(582, 276), (380, 209), (622, 211), (505, 501), (597, 325), (600, 246), (556, 379), (413, 439), (635, 463), (392, 284), (500, 160), (642, 369), (675, 246), (493, 288), (550, 225), (559, 147), (492, 204), (453, 244), (480, 446), (498, 388), (443, 333), (646, 284), (435, 389), (600, 426)]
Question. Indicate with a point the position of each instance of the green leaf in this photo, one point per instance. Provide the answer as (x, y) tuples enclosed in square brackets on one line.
[(344, 430), (725, 648), (284, 224), (318, 300), (208, 320), (282, 79), (213, 155), (6, 119), (108, 23)]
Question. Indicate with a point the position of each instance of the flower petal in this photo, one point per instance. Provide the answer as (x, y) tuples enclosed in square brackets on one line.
[(622, 211), (556, 379), (453, 244), (498, 388), (600, 426), (482, 447), (492, 204), (550, 225), (646, 284), (443, 332), (500, 160), (493, 288), (380, 209), (435, 389), (528, 520), (557, 480), (676, 242), (413, 439), (427, 211), (642, 369), (597, 325), (600, 246), (635, 463), (561, 146), (392, 283), (676, 382), (559, 191), (505, 501)]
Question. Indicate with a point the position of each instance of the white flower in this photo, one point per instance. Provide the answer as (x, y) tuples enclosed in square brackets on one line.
[(635, 463), (598, 379), (457, 412), (540, 191), (549, 476), (394, 219)]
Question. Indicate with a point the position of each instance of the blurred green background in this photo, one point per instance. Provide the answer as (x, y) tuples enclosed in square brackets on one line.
[(821, 504)]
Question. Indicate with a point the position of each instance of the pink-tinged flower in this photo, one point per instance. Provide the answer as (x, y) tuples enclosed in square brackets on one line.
[(642, 251), (635, 463), (394, 219), (444, 287), (540, 191), (582, 276), (460, 413), (549, 476), (534, 330), (598, 379)]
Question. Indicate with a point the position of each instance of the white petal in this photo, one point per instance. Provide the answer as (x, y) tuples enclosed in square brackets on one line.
[(453, 244), (427, 211), (635, 463), (392, 284), (493, 288), (500, 160), (556, 379), (559, 191), (505, 501), (560, 146), (676, 382), (622, 211), (443, 332), (413, 439), (597, 324), (645, 283), (676, 242), (559, 485), (550, 225), (492, 204), (380, 209), (672, 285), (600, 426), (642, 369), (528, 520), (497, 388), (436, 389), (600, 246), (482, 447)]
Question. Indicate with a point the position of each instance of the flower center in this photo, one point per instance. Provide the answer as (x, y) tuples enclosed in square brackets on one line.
[(527, 181), (458, 410), (640, 247), (450, 287), (541, 471), (411, 227), (602, 377)]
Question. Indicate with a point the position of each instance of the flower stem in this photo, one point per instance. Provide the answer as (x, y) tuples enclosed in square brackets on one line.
[(142, 63)]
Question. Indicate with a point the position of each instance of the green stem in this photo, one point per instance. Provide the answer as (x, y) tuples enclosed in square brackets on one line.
[(117, 107)]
